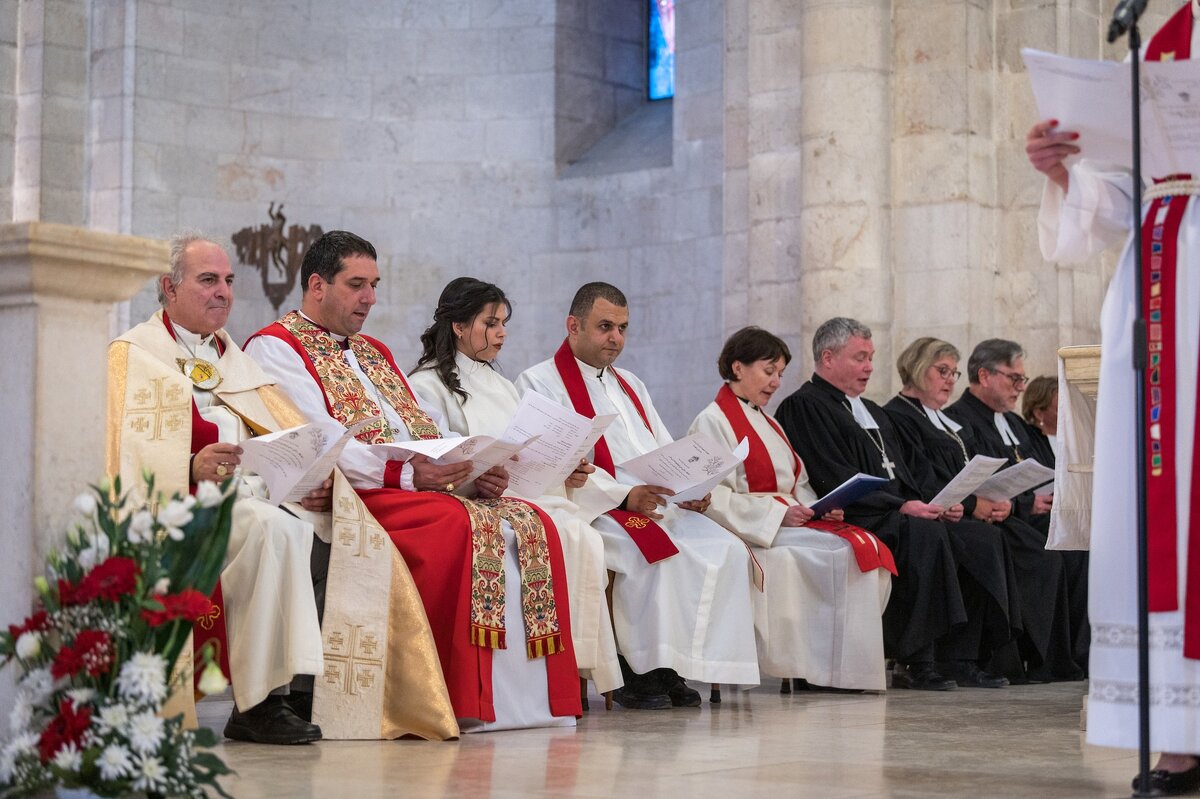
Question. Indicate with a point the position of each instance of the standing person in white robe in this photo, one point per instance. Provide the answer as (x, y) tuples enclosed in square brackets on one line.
[(455, 375), (819, 615), (688, 614), (181, 396), (1087, 207)]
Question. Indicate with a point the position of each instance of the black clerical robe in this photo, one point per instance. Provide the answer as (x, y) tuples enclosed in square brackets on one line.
[(952, 592), (1040, 573), (980, 420)]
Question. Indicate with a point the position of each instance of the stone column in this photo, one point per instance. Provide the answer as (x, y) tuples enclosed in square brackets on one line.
[(944, 175), (58, 285), (835, 186)]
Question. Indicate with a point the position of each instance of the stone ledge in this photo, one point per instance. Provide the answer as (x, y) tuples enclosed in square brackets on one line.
[(53, 260)]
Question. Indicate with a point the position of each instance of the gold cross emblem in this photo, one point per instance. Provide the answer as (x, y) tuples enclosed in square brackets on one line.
[(350, 665), (155, 409)]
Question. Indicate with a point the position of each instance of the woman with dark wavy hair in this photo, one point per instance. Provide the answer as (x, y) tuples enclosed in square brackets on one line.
[(455, 375)]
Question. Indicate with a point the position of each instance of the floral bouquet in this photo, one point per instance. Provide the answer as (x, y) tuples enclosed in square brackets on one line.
[(115, 611)]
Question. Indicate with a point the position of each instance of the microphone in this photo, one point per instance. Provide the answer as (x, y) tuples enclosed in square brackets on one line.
[(1128, 12)]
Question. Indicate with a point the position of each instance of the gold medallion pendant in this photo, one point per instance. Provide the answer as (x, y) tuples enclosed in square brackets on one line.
[(203, 374)]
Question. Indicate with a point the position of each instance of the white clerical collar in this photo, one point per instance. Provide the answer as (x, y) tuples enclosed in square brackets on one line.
[(193, 341), (590, 371), (861, 415), (1010, 438), (940, 419)]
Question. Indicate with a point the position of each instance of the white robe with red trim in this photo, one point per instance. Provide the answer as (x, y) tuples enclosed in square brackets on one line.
[(1095, 214), (818, 617), (691, 612), (492, 400)]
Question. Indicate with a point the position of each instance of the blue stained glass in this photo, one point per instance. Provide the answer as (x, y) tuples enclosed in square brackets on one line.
[(662, 49)]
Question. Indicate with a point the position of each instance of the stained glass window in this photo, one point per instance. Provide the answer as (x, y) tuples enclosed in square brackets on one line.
[(662, 49)]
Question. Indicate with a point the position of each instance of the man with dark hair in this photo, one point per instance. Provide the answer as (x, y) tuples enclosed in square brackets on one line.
[(953, 601), (987, 408), (680, 596), (489, 569)]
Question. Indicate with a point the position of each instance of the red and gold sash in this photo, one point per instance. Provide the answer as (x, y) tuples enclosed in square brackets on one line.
[(869, 552), (651, 539), (348, 402), (1160, 234)]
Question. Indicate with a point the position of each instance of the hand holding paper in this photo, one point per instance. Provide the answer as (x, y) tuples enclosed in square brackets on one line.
[(691, 467), (1015, 480), (964, 484), (298, 460)]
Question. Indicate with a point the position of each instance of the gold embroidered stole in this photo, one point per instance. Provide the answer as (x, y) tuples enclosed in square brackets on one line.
[(350, 403)]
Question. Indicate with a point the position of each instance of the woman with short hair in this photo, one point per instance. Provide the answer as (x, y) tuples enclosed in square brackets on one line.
[(818, 615)]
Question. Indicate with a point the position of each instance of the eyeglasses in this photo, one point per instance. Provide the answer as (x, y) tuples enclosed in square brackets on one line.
[(947, 373), (1018, 381)]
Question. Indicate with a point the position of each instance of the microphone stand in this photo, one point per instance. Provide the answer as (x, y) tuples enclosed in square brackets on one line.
[(1143, 788)]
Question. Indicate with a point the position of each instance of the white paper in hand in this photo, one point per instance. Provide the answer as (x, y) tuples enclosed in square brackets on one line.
[(560, 439), (1015, 480), (484, 452), (973, 475), (295, 461), (690, 467)]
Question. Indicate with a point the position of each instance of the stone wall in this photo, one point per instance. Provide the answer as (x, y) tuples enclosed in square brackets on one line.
[(825, 157)]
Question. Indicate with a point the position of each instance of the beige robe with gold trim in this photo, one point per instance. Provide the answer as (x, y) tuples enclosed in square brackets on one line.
[(378, 676)]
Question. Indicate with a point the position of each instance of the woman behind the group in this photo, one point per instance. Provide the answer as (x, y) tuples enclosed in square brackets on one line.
[(819, 615), (928, 370), (1039, 408), (455, 375)]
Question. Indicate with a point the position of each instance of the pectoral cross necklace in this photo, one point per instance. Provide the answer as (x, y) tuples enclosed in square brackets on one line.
[(887, 462)]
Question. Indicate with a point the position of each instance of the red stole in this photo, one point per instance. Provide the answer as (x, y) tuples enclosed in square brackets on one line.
[(1160, 235), (869, 551), (210, 626), (651, 539)]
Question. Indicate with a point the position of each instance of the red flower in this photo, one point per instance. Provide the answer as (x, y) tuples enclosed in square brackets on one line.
[(67, 727), (188, 604), (91, 651), (38, 622), (111, 580)]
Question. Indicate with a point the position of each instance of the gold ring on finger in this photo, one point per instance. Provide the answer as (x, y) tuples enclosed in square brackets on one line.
[(221, 470), (449, 487)]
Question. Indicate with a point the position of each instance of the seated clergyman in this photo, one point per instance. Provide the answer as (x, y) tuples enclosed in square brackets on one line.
[(184, 396)]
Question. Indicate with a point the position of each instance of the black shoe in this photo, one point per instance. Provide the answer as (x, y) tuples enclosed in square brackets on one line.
[(637, 701), (271, 721), (1173, 783), (968, 675), (920, 677), (301, 702), (683, 696), (786, 686)]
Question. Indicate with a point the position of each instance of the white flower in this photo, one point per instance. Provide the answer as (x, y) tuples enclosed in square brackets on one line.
[(115, 762), (212, 681), (145, 731), (175, 515), (113, 717), (143, 677), (141, 526), (162, 586), (81, 696), (29, 645), (39, 684), (152, 774), (21, 715), (85, 504), (69, 758), (24, 744), (8, 764), (208, 494)]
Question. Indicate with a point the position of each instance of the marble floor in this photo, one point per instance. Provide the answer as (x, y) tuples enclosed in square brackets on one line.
[(1017, 742)]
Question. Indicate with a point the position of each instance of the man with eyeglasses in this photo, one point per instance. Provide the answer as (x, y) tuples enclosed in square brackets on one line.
[(996, 370)]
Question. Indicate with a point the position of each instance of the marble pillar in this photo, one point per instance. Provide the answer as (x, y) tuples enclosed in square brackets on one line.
[(58, 285)]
